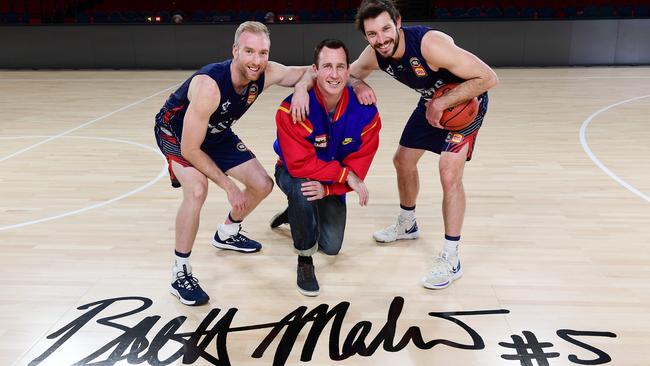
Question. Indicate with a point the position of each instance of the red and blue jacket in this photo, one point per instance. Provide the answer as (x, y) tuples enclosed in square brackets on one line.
[(326, 147)]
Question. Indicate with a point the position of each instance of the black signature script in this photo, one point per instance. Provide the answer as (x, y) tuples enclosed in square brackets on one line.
[(134, 345)]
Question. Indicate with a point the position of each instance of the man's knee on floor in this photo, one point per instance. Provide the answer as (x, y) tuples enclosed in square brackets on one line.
[(331, 244), (330, 250)]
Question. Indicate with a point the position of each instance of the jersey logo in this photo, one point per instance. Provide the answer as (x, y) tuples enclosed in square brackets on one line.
[(347, 140), (224, 106), (216, 129), (252, 94), (418, 69), (426, 93), (220, 126), (390, 71), (455, 138), (320, 141), (241, 147)]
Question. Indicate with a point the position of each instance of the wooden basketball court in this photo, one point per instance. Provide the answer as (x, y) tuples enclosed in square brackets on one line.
[(556, 242)]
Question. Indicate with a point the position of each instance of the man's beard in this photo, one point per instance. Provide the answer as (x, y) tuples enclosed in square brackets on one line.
[(243, 72), (396, 42)]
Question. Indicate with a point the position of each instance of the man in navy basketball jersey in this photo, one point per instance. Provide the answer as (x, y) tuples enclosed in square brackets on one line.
[(425, 60), (193, 130), (322, 158)]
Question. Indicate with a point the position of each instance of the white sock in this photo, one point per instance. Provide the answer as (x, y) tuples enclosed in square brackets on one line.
[(180, 261), (451, 247), (407, 214), (228, 229)]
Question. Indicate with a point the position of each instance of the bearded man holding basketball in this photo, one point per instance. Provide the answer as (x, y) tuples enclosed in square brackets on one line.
[(425, 60)]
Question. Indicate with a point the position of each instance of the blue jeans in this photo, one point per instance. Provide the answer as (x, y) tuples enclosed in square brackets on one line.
[(318, 224)]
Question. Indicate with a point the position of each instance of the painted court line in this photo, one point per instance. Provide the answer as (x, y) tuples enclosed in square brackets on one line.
[(160, 175), (585, 147), (83, 125)]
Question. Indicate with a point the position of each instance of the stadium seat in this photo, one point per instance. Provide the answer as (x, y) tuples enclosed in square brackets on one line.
[(320, 14), (626, 11), (198, 16), (100, 17), (493, 12), (442, 13), (131, 16), (546, 13), (510, 12), (474, 12), (641, 11), (304, 15), (570, 12), (82, 18), (457, 12), (606, 11), (258, 15), (11, 18), (528, 13), (590, 11), (116, 17)]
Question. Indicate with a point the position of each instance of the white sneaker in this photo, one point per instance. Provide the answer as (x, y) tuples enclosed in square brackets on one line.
[(444, 271), (403, 229)]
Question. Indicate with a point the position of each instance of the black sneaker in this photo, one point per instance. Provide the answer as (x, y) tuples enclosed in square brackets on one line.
[(186, 287), (238, 242), (306, 281), (280, 218)]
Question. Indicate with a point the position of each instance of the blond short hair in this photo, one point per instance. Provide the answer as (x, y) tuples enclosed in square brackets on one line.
[(253, 27)]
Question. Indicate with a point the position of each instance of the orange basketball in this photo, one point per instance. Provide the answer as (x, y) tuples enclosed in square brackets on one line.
[(458, 117)]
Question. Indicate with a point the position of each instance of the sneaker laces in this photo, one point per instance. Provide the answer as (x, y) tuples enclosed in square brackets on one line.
[(403, 222), (306, 270), (441, 265), (240, 236), (400, 222), (187, 280), (389, 229)]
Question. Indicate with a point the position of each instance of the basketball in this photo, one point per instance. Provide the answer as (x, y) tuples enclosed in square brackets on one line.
[(458, 117)]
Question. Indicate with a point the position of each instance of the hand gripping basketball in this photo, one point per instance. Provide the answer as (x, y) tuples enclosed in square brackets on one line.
[(460, 116)]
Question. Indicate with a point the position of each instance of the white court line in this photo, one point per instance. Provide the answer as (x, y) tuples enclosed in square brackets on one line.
[(162, 173), (83, 125), (585, 147)]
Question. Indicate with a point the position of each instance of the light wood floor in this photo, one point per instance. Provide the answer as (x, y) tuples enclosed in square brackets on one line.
[(86, 214)]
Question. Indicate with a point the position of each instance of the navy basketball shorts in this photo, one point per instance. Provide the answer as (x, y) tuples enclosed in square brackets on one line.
[(227, 152), (419, 134)]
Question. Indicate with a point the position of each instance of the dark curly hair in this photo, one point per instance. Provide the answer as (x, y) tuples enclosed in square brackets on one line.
[(370, 9)]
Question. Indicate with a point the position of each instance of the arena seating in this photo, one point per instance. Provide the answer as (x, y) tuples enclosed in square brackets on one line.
[(211, 11)]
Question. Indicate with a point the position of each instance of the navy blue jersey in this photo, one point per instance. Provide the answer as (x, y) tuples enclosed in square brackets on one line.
[(231, 105), (412, 69)]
